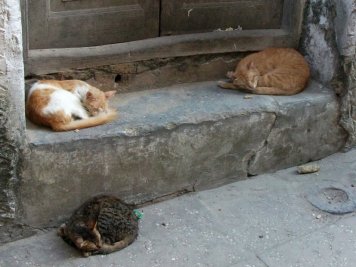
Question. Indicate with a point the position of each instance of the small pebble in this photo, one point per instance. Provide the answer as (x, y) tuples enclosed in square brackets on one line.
[(317, 216), (76, 130), (308, 168), (248, 96)]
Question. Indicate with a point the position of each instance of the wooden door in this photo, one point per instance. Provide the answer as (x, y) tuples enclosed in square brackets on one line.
[(191, 16), (81, 23)]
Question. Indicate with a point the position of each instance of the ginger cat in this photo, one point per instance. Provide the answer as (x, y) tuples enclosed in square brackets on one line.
[(273, 71), (68, 105)]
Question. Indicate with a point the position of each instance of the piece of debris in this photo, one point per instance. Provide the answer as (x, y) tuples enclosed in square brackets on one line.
[(248, 96), (308, 168), (138, 214), (228, 29), (76, 130), (317, 216), (260, 236), (190, 10)]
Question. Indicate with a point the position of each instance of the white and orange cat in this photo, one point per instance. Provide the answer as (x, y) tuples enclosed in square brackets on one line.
[(68, 105), (273, 71)]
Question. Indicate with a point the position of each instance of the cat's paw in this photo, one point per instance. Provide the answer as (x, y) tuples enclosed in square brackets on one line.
[(226, 85), (86, 254), (221, 84), (61, 230), (99, 244), (230, 75), (88, 246)]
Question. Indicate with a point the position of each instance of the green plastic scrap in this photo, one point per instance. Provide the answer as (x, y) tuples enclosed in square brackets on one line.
[(138, 214)]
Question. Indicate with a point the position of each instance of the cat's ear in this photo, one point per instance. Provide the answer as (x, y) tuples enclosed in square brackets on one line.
[(109, 94), (90, 95), (251, 65), (91, 224), (255, 81)]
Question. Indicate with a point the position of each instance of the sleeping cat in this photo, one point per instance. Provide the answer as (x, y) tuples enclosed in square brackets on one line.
[(68, 105), (101, 225), (273, 71)]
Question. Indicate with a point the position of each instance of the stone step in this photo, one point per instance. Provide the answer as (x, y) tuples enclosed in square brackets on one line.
[(172, 140)]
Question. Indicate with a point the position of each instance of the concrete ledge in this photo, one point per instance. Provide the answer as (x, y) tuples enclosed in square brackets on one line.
[(176, 139)]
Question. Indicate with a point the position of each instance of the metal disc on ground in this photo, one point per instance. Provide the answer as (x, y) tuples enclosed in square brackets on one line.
[(334, 199)]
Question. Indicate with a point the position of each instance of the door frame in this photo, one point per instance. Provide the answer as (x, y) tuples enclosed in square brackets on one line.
[(43, 61)]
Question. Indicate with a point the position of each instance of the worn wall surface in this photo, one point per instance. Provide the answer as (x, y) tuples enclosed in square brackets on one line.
[(328, 42), (318, 40), (346, 41), (148, 74), (11, 108)]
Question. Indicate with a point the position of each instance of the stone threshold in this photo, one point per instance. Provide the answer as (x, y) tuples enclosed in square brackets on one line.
[(177, 139)]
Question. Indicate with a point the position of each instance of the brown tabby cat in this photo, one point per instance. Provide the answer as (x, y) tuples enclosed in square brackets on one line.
[(68, 105), (273, 71), (101, 225)]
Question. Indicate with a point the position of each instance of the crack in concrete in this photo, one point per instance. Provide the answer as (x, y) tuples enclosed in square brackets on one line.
[(194, 186), (252, 158), (164, 197), (261, 260)]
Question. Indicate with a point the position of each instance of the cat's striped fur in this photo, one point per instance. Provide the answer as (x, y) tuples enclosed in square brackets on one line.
[(102, 225)]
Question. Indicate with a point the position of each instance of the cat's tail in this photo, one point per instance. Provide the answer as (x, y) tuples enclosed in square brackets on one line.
[(102, 118), (109, 248)]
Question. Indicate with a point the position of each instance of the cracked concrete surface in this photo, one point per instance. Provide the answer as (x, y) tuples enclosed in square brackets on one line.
[(181, 138), (263, 221)]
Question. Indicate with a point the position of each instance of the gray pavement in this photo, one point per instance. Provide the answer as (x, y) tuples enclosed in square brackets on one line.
[(264, 221)]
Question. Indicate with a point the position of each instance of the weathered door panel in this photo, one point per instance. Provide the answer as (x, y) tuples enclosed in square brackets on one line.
[(190, 16), (80, 23)]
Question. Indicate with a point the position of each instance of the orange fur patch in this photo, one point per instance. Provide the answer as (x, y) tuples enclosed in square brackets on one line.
[(273, 71)]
